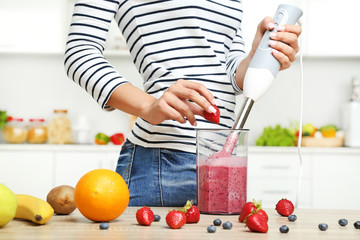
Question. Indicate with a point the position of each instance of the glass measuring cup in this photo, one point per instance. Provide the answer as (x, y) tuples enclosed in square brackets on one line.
[(221, 175)]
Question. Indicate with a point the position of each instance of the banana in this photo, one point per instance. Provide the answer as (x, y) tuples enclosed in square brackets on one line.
[(33, 209)]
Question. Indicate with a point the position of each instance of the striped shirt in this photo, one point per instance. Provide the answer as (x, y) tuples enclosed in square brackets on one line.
[(195, 40)]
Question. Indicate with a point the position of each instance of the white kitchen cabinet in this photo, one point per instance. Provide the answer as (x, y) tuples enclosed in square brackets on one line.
[(270, 191), (329, 180), (336, 182), (69, 167), (274, 175), (27, 172), (330, 175), (36, 169)]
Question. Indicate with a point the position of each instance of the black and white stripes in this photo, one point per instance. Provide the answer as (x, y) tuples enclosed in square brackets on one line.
[(197, 40)]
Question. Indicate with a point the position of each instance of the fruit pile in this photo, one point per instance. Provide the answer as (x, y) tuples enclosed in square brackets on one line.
[(288, 136), (326, 131), (97, 186)]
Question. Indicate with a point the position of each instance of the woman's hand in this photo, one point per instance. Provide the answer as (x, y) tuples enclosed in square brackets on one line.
[(183, 100), (284, 42)]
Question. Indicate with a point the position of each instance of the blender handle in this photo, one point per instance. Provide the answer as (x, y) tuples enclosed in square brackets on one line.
[(264, 67), (263, 58)]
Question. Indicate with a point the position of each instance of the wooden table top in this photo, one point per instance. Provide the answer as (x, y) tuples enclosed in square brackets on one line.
[(75, 226)]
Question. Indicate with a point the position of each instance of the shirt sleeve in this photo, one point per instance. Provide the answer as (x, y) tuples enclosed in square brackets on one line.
[(84, 60), (235, 56)]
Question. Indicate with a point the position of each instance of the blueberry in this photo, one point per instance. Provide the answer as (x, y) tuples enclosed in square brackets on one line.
[(217, 222), (157, 218), (284, 229), (292, 218), (227, 225), (323, 226), (357, 224), (343, 222), (104, 225), (211, 229)]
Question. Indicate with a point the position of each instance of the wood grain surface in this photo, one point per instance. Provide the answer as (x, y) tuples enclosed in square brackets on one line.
[(75, 226)]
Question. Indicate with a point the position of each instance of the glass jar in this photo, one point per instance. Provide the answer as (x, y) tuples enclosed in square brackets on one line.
[(221, 167), (14, 130), (59, 129), (37, 132)]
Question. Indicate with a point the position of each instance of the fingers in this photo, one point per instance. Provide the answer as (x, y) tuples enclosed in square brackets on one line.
[(284, 41), (177, 98), (176, 109), (296, 29), (285, 44), (195, 92), (288, 34), (266, 24)]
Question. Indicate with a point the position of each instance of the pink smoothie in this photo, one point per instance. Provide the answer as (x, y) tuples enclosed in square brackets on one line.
[(222, 185)]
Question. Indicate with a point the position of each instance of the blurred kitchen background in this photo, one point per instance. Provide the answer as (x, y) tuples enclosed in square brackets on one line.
[(33, 82)]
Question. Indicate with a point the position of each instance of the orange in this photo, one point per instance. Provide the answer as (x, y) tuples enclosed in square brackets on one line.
[(101, 195)]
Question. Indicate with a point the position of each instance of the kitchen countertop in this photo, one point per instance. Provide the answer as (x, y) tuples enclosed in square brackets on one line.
[(110, 147), (75, 226)]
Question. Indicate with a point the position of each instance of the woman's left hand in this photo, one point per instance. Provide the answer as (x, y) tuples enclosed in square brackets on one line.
[(284, 42)]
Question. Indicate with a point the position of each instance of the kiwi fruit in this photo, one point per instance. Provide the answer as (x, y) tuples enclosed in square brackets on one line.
[(61, 199)]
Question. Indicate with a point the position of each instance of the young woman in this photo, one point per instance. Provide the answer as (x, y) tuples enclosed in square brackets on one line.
[(191, 56)]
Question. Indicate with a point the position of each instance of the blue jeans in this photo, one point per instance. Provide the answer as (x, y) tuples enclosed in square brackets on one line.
[(157, 176)]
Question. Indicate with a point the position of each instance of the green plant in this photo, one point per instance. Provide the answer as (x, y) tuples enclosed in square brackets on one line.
[(276, 136)]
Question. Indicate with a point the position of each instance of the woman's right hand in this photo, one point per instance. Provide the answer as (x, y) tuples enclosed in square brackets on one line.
[(180, 102)]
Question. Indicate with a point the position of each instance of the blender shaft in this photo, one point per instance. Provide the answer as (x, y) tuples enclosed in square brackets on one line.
[(244, 113)]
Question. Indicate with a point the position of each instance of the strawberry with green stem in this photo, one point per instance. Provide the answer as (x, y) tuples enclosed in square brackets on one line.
[(249, 207), (257, 222), (191, 211)]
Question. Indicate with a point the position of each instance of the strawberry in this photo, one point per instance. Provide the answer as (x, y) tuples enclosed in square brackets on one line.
[(257, 222), (213, 117), (285, 207), (145, 216), (175, 219), (264, 214), (191, 211), (249, 207)]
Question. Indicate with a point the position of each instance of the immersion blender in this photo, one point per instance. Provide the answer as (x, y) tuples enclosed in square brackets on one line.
[(261, 72)]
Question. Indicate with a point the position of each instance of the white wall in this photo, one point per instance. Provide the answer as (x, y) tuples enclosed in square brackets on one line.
[(32, 85)]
